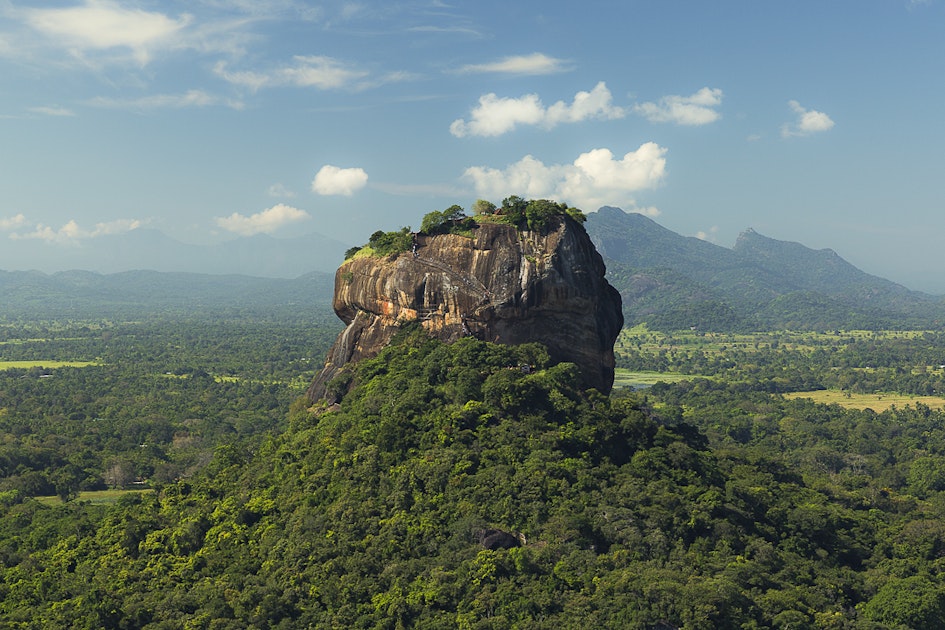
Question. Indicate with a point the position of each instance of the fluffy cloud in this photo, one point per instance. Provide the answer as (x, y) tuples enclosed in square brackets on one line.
[(495, 116), (332, 180), (808, 121), (103, 24), (12, 223), (533, 64), (694, 110), (264, 222), (594, 179), (72, 232), (306, 71)]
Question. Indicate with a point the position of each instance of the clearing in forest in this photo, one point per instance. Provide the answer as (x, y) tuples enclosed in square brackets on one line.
[(877, 402)]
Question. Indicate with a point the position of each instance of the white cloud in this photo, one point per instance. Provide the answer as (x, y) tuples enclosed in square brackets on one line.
[(808, 121), (708, 236), (696, 109), (119, 226), (103, 24), (495, 116), (594, 179), (12, 223), (332, 180), (267, 221), (279, 190), (307, 71), (72, 232), (52, 111), (647, 211), (192, 98), (533, 64)]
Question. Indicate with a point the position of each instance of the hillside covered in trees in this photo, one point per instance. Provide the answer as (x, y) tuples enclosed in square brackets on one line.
[(672, 282), (452, 488), (161, 466)]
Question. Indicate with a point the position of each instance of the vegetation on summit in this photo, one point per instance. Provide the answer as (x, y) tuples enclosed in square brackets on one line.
[(523, 214)]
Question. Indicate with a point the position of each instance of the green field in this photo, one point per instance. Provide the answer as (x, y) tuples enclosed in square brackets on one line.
[(96, 497), (877, 402), (628, 378), (43, 363)]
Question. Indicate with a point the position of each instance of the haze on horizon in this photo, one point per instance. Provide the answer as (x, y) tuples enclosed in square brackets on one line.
[(212, 120)]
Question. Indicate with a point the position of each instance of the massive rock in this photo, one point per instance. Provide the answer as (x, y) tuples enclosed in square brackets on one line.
[(502, 285)]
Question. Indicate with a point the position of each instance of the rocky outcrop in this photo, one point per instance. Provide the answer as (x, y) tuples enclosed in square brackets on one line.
[(502, 285)]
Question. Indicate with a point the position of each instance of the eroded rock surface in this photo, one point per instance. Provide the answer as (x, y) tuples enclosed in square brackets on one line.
[(502, 285)]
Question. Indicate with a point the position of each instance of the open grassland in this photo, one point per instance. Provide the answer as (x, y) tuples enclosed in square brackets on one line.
[(43, 363), (96, 497), (628, 378), (876, 402)]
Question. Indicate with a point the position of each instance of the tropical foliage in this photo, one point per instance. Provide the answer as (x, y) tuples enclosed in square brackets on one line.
[(699, 504)]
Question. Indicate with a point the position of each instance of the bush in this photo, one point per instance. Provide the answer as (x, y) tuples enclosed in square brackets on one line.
[(387, 243)]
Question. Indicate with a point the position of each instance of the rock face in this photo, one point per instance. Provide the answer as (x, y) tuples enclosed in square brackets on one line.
[(502, 285)]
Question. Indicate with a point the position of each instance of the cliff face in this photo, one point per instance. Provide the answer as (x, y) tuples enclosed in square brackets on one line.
[(503, 285)]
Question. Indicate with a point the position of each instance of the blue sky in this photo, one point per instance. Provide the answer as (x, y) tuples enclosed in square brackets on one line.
[(812, 121)]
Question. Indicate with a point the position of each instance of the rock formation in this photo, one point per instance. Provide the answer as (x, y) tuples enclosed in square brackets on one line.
[(502, 285)]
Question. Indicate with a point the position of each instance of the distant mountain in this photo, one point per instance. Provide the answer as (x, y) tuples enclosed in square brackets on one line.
[(674, 281), (149, 249), (140, 295)]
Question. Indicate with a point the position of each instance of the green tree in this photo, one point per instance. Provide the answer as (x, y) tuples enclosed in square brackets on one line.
[(481, 206), (914, 602)]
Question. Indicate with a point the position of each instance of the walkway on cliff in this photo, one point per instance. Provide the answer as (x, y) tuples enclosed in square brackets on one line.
[(474, 284)]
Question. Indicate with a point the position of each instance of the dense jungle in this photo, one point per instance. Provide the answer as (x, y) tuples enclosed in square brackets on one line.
[(170, 474)]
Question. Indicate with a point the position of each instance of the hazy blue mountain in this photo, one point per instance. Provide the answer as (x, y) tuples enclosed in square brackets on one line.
[(673, 281), (150, 294), (150, 249)]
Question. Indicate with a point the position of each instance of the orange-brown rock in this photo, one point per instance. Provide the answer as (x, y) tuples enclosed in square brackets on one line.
[(502, 285)]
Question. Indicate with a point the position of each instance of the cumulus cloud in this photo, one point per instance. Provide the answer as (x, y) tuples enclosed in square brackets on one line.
[(808, 121), (103, 24), (533, 64), (594, 179), (696, 109), (264, 222), (12, 223), (495, 116), (332, 180), (306, 71), (72, 232)]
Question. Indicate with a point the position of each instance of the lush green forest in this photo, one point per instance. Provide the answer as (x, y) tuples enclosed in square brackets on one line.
[(470, 486), (151, 402)]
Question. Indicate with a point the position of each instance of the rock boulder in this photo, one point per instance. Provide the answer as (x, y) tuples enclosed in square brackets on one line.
[(502, 285)]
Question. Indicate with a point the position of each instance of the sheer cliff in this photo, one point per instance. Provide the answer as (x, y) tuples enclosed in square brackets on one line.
[(498, 283)]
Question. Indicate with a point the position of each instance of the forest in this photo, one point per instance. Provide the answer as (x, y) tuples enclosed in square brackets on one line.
[(169, 474)]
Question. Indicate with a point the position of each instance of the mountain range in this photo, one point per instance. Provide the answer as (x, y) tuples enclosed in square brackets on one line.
[(673, 281), (666, 280), (144, 248), (141, 295)]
